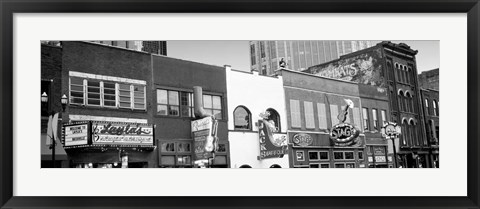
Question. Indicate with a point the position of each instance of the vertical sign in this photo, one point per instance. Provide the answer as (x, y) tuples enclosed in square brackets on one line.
[(271, 146), (203, 131)]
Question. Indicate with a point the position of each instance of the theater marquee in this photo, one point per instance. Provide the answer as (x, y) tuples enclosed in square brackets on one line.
[(121, 133)]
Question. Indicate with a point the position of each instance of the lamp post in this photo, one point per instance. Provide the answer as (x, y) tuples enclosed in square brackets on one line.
[(64, 102), (391, 131)]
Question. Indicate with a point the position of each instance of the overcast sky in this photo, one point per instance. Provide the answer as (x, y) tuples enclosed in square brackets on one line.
[(236, 53)]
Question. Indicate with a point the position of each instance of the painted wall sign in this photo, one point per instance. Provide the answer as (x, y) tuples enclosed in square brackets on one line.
[(204, 140), (344, 134), (271, 145), (76, 134), (364, 68), (302, 140), (121, 133)]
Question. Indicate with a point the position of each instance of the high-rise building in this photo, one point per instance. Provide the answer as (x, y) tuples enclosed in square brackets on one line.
[(154, 47), (299, 55)]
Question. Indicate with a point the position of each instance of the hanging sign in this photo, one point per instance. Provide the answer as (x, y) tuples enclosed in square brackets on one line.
[(271, 145), (204, 138)]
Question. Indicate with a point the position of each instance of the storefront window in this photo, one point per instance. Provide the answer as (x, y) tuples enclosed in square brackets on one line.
[(350, 165), (339, 165), (349, 155), (313, 155), (168, 147), (183, 147), (314, 165), (184, 160), (324, 156), (324, 165), (338, 155)]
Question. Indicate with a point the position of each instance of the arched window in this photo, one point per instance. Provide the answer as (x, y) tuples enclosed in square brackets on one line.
[(401, 100), (427, 112), (275, 117), (435, 111), (413, 132), (245, 166), (405, 131), (412, 104), (242, 118), (275, 166), (398, 71), (408, 102)]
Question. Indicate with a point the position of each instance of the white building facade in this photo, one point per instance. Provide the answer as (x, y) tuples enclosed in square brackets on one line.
[(252, 99)]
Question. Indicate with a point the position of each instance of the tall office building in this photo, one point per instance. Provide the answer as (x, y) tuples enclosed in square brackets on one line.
[(154, 47), (299, 55)]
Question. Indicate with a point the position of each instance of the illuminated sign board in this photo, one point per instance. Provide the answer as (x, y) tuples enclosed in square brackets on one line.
[(271, 145), (121, 133), (344, 134), (76, 134)]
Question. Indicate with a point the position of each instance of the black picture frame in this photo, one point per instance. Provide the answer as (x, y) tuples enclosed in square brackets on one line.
[(10, 7)]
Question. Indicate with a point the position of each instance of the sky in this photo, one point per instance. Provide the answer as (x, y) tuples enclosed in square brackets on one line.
[(237, 53)]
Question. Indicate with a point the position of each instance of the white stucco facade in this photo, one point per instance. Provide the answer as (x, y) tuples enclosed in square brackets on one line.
[(257, 93)]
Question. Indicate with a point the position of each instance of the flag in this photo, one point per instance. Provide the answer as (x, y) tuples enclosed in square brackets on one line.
[(55, 126), (49, 131)]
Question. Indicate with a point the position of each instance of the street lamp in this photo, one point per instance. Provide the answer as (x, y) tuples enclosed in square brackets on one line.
[(64, 101), (44, 97)]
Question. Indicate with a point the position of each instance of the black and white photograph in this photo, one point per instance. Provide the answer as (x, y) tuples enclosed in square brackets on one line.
[(240, 104)]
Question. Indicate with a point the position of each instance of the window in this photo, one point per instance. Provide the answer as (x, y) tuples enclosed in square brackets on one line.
[(262, 49), (350, 165), (184, 160), (106, 94), (384, 116), (366, 122), (334, 114), (324, 165), (109, 96), (309, 118), (314, 165), (124, 96), (222, 148), (168, 147), (295, 113), (45, 88), (252, 54), (167, 102), (338, 155), (138, 97), (93, 92), (313, 155), (76, 90), (275, 118), (183, 147), (426, 107), (375, 119), (323, 155), (349, 156), (434, 104), (322, 116), (241, 118), (360, 155), (339, 165), (213, 105), (186, 104)]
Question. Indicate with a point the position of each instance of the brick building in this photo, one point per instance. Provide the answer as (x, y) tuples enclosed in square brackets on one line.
[(429, 79), (391, 68), (130, 108), (313, 105)]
